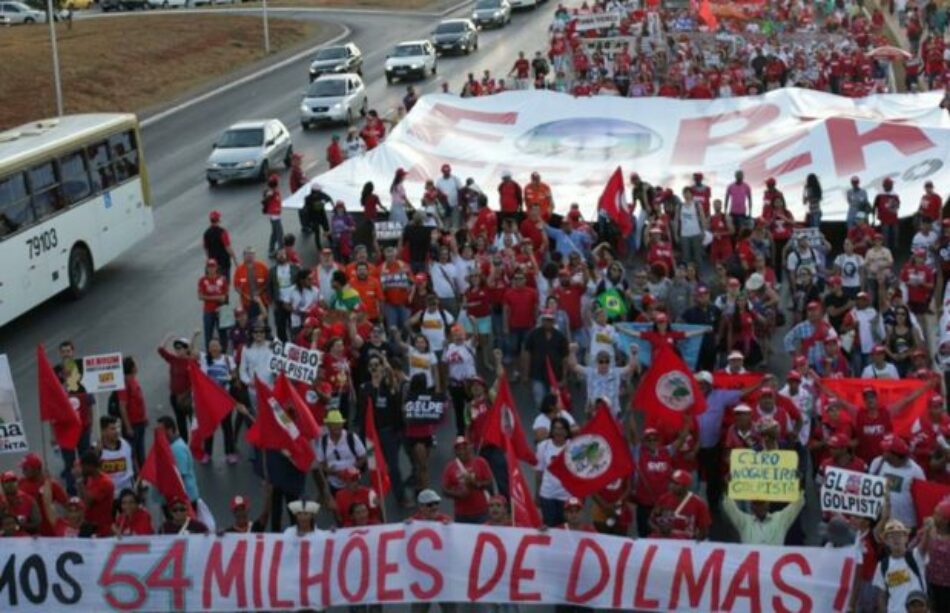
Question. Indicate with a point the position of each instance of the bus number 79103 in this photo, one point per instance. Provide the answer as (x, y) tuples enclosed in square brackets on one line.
[(45, 241)]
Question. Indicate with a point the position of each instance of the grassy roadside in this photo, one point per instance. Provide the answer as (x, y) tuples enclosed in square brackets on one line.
[(132, 64)]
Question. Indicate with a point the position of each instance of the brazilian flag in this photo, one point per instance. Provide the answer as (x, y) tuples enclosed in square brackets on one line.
[(613, 303), (345, 299)]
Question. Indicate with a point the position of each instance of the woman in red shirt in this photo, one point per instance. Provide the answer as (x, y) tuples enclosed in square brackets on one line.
[(721, 227), (739, 331), (132, 519), (781, 224), (477, 303), (370, 201), (336, 371), (271, 208)]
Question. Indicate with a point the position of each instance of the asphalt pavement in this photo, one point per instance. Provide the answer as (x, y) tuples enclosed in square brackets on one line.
[(151, 291)]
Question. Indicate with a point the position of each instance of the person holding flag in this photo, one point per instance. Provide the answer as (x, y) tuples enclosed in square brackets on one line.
[(467, 481), (355, 493), (679, 513), (551, 494)]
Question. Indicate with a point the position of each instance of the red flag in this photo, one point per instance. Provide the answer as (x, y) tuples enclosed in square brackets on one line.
[(613, 201), (286, 394), (55, 406), (595, 457), (276, 429), (160, 470), (889, 392), (378, 472), (556, 387), (705, 12), (212, 403), (726, 381), (927, 496), (504, 424), (667, 393), (524, 513)]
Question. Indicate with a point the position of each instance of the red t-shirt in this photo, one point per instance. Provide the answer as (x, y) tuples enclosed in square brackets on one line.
[(653, 475), (476, 502), (478, 302), (21, 506), (920, 282), (140, 523), (346, 498), (930, 205), (522, 68), (688, 515), (870, 431), (134, 398), (569, 299), (177, 371), (28, 486), (522, 303), (99, 492), (218, 286), (886, 205)]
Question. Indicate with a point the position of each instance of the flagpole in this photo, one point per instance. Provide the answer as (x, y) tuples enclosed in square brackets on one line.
[(382, 498), (43, 444)]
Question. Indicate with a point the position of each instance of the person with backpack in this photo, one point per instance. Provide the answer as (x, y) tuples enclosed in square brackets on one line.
[(900, 571), (338, 449), (433, 322)]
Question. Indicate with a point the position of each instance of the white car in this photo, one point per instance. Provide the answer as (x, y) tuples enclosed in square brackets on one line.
[(523, 4), (333, 98), (167, 4), (249, 150), (414, 58), (17, 12)]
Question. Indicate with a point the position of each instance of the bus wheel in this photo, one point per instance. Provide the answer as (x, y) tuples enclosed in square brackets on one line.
[(80, 271)]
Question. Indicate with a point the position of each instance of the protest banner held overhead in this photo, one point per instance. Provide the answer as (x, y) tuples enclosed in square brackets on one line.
[(853, 493), (103, 373), (388, 230), (296, 362), (764, 475), (424, 409)]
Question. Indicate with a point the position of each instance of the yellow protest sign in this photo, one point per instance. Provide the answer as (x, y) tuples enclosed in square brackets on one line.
[(763, 475)]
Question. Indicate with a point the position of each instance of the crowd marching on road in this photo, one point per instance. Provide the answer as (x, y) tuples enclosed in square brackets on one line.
[(435, 315)]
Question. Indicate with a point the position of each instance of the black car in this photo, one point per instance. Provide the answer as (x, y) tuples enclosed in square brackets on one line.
[(455, 36), (337, 59), (123, 5)]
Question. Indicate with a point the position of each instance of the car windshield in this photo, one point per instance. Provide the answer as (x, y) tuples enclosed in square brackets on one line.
[(331, 53), (249, 137), (324, 88), (447, 28), (488, 4), (408, 50)]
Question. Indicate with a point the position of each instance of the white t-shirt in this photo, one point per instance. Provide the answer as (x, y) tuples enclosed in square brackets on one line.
[(117, 464), (605, 385), (850, 267), (899, 479), (602, 338), (805, 402), (434, 325), (689, 220), (338, 454), (460, 359), (868, 332), (444, 279), (926, 241), (543, 421), (285, 282), (449, 186), (300, 302), (889, 371), (900, 580), (551, 487), (422, 363)]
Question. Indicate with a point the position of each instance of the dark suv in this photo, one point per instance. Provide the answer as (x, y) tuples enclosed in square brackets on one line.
[(337, 59), (455, 36)]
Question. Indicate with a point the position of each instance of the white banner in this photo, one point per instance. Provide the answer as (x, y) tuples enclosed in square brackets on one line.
[(12, 433), (575, 143), (596, 21), (853, 493), (388, 230), (418, 562), (296, 362), (103, 373)]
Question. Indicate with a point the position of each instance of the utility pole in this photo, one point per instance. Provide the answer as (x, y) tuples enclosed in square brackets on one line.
[(51, 18)]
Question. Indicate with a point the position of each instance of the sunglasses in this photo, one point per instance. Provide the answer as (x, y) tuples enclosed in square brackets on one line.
[(179, 510), (430, 505), (603, 361)]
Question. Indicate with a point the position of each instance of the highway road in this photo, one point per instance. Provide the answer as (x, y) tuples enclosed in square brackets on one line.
[(152, 290)]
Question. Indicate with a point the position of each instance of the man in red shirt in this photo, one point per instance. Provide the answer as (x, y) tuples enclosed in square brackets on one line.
[(679, 513), (19, 504), (132, 409), (31, 483), (428, 509), (533, 230), (871, 426), (654, 465), (467, 480), (574, 516), (521, 71), (930, 202), (97, 492), (354, 493), (510, 198), (886, 206), (841, 456), (919, 278), (178, 382), (335, 155), (519, 314)]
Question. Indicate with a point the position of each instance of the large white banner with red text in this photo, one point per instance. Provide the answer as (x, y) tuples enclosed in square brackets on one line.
[(575, 143), (416, 562)]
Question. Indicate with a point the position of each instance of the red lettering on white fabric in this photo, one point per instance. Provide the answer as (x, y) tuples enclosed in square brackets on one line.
[(444, 119), (273, 579), (110, 579), (356, 543), (683, 573), (412, 556), (805, 603), (845, 585), (585, 545), (383, 569), (757, 169), (847, 145), (640, 601), (695, 138), (321, 578), (225, 579), (258, 564), (519, 573), (484, 540), (745, 584), (159, 578), (625, 550)]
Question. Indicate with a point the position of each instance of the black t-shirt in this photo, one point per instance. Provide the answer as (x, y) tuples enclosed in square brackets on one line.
[(541, 348), (419, 240), (387, 406), (214, 245), (832, 300), (255, 527)]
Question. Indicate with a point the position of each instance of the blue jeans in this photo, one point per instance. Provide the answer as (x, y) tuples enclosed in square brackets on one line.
[(514, 341), (499, 467), (395, 315), (276, 240), (69, 458), (138, 442), (540, 389), (552, 511), (210, 323)]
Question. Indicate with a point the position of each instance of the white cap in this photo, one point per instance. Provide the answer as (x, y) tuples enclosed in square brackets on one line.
[(304, 506), (754, 282), (742, 408), (705, 376), (428, 497), (736, 355)]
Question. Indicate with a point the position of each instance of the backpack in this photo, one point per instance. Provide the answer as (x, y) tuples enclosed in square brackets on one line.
[(911, 563), (350, 443)]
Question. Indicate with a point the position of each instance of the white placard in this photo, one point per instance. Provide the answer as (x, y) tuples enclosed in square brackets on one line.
[(852, 493), (388, 230), (12, 433), (103, 373), (296, 362)]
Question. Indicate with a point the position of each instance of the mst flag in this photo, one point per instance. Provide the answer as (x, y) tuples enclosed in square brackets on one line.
[(503, 424), (524, 513), (212, 403), (160, 470), (276, 429), (668, 392), (613, 202), (892, 396), (55, 406), (287, 395), (595, 457), (378, 471)]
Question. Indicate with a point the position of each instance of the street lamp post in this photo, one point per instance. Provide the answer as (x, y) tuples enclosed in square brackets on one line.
[(266, 31), (50, 17)]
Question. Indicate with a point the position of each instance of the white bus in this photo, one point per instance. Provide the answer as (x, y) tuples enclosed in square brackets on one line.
[(73, 196)]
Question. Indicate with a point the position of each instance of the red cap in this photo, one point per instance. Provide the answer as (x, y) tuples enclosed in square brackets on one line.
[(888, 181), (878, 349), (838, 441), (77, 502), (814, 305), (733, 282), (650, 432), (661, 318), (946, 222), (698, 176), (9, 476), (326, 251), (31, 460), (573, 503), (770, 182), (446, 168), (311, 322), (895, 445), (864, 295), (767, 390), (238, 501), (919, 252), (800, 362), (868, 390), (325, 388), (460, 441), (702, 290), (211, 263), (647, 300), (943, 508), (681, 477), (918, 353), (421, 278), (794, 375), (834, 280), (214, 216), (350, 473), (936, 400)]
